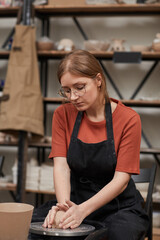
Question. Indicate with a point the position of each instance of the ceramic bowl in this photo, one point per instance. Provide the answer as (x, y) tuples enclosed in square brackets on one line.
[(156, 46), (140, 48), (45, 46), (95, 45)]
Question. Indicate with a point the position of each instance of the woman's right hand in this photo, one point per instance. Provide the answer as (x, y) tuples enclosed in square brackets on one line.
[(50, 217)]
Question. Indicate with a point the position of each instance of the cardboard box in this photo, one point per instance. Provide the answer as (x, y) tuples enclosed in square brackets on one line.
[(67, 3)]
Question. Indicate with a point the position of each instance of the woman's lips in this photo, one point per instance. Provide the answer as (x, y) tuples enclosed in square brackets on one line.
[(78, 104)]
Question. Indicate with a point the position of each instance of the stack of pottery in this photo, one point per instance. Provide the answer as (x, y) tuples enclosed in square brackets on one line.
[(156, 43), (32, 177), (32, 174), (46, 178)]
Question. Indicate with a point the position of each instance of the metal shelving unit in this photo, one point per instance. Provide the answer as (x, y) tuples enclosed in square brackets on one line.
[(44, 13)]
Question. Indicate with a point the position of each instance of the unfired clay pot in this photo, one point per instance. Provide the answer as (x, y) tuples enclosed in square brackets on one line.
[(15, 219), (117, 45), (156, 43)]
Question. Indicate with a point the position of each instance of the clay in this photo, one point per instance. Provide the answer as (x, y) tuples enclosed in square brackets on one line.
[(58, 218), (117, 45), (156, 43), (96, 45), (66, 45)]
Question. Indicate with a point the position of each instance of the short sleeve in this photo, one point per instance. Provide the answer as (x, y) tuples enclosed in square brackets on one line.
[(128, 155), (59, 145)]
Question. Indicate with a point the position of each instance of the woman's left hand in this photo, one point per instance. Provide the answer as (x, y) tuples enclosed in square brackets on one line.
[(73, 216)]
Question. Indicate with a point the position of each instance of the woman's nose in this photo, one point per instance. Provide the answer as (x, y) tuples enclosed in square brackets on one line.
[(73, 95)]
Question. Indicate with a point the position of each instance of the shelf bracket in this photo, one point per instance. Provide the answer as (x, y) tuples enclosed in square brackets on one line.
[(1, 165), (144, 80)]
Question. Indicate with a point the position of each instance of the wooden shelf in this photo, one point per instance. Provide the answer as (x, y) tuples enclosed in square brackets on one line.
[(8, 12), (131, 103), (8, 186), (156, 233), (40, 191), (146, 56), (150, 150), (4, 54), (57, 100), (40, 145), (141, 103), (98, 10), (12, 187), (48, 145), (87, 10)]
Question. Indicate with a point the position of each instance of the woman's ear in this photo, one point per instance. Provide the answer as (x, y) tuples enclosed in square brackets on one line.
[(99, 80)]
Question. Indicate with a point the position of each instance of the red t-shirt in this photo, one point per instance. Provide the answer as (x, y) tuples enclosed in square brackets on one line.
[(126, 129)]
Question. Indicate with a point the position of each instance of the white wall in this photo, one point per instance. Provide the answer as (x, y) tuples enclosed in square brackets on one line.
[(135, 30)]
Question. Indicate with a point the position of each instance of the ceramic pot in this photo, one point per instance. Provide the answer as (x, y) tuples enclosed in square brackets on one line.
[(15, 219)]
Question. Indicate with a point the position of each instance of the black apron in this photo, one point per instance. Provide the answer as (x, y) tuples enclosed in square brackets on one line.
[(93, 166)]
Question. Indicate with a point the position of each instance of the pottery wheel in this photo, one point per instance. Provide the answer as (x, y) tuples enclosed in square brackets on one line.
[(82, 230)]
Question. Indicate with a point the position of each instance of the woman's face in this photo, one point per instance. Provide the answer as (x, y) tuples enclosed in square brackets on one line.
[(82, 92)]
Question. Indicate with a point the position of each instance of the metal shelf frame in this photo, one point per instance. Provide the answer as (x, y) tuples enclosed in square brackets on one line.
[(121, 58), (44, 13)]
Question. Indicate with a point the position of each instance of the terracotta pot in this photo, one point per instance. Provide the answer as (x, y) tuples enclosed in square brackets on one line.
[(95, 45), (45, 46), (15, 219)]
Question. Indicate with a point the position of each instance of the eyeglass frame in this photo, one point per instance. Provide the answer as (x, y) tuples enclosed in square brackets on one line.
[(61, 90)]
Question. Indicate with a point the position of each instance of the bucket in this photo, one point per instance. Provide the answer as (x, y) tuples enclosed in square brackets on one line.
[(15, 219)]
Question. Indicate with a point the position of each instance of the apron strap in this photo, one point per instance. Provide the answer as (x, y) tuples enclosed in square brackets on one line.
[(77, 125), (109, 126)]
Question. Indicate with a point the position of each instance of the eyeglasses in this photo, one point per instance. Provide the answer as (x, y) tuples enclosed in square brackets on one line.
[(66, 92)]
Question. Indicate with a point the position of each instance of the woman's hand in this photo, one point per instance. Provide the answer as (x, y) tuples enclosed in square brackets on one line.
[(50, 217), (62, 206), (73, 216)]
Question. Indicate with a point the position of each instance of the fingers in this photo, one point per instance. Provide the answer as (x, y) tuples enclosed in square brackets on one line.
[(62, 206), (68, 223), (50, 217), (70, 220), (69, 203)]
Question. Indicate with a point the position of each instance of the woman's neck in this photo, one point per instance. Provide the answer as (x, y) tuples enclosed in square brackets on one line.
[(97, 113)]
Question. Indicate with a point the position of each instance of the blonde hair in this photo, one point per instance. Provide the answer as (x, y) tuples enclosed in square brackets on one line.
[(82, 63)]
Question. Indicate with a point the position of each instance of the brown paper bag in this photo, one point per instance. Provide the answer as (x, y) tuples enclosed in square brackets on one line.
[(24, 109)]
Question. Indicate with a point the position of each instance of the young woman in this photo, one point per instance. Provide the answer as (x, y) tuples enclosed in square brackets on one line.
[(96, 148)]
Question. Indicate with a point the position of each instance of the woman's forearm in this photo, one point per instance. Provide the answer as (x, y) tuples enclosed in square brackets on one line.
[(106, 194), (61, 179)]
